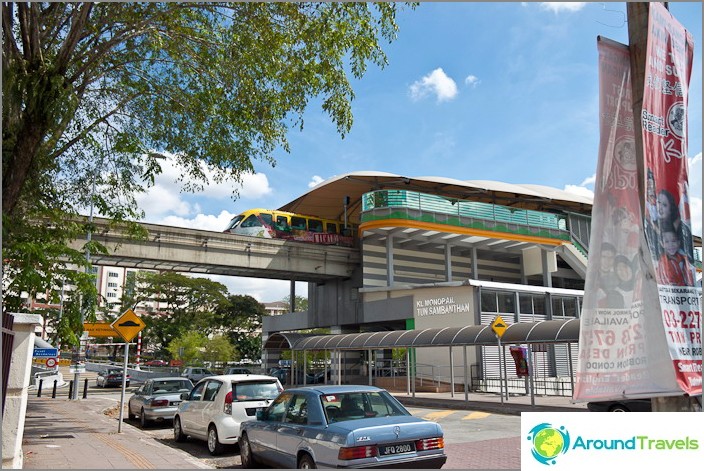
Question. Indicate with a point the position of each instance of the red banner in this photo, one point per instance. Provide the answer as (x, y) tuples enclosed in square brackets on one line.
[(669, 56), (520, 358)]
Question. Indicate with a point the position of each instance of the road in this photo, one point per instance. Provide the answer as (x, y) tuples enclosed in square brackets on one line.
[(473, 439)]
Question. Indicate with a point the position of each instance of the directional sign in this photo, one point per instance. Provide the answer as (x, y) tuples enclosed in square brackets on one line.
[(499, 326), (99, 329), (46, 352), (128, 325)]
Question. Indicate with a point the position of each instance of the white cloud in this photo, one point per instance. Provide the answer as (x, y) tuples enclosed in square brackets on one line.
[(472, 81), (205, 222), (437, 83), (558, 7), (589, 180), (315, 180), (262, 289), (579, 190), (165, 201)]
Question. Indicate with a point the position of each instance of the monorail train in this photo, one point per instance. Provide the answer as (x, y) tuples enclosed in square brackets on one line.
[(273, 224)]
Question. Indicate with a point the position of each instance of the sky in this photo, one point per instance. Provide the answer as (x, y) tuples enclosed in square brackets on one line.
[(473, 91)]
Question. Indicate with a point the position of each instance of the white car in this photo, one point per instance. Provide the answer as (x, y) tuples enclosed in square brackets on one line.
[(217, 405)]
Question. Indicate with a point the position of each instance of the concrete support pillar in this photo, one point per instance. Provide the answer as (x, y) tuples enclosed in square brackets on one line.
[(475, 264), (17, 389), (389, 260), (547, 277), (448, 262)]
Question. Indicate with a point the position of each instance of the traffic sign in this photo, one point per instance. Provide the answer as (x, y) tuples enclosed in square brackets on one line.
[(45, 352), (50, 362), (499, 326), (128, 325), (99, 329)]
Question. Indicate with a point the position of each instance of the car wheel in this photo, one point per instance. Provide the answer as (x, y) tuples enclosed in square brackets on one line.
[(179, 436), (619, 408), (214, 445), (143, 419), (306, 462), (248, 459)]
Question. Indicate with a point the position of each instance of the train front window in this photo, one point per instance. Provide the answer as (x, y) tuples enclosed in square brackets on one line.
[(267, 218), (251, 221), (235, 222)]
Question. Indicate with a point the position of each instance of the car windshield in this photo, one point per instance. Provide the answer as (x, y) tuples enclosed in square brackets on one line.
[(113, 372), (171, 386), (360, 405), (254, 390)]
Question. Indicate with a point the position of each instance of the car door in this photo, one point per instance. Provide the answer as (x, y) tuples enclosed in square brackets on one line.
[(290, 431), (264, 437), (137, 400), (191, 410), (211, 406)]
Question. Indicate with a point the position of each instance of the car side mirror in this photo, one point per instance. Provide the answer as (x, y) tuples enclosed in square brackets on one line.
[(184, 396)]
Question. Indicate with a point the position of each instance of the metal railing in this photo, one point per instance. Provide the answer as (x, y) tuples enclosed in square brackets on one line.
[(402, 204)]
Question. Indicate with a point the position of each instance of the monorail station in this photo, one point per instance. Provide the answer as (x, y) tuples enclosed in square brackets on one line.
[(441, 260)]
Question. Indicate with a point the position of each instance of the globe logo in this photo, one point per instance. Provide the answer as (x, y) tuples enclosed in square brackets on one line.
[(548, 442)]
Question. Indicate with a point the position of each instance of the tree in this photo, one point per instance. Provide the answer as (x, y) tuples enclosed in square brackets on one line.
[(240, 319), (219, 350), (94, 92), (187, 347), (301, 303), (188, 304)]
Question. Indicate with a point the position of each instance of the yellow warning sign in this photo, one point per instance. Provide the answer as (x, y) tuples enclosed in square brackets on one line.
[(128, 325), (499, 326), (99, 329)]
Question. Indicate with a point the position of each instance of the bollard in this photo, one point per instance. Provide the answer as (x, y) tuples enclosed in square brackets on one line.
[(70, 389), (85, 388), (39, 389), (53, 391)]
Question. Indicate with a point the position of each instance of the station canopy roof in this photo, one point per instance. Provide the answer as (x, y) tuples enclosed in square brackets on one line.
[(326, 199), (552, 331)]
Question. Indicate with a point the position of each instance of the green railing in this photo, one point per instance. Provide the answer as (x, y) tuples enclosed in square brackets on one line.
[(411, 205)]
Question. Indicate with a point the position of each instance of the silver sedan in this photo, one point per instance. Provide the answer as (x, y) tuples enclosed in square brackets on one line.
[(157, 399), (340, 427)]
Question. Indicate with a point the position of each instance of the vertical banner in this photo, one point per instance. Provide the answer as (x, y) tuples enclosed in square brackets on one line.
[(668, 70), (520, 358), (622, 347)]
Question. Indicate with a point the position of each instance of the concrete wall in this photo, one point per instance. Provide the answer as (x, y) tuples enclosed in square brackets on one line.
[(17, 389)]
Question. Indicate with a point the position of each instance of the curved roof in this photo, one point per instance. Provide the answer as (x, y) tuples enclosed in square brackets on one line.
[(553, 331), (326, 199)]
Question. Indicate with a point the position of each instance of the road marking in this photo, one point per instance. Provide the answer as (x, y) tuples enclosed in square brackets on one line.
[(138, 460), (435, 416), (476, 415)]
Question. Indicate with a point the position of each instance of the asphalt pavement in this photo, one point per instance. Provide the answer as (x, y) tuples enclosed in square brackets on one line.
[(83, 434)]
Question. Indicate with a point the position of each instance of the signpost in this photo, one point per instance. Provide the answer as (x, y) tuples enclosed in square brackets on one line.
[(499, 327), (45, 352), (98, 329), (128, 325)]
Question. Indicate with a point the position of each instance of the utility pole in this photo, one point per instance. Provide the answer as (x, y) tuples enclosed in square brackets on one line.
[(637, 14)]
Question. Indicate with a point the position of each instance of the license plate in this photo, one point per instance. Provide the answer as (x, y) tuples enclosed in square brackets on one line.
[(397, 448)]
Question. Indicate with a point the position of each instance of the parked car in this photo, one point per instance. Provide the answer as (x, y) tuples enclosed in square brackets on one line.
[(156, 363), (195, 374), (237, 370), (111, 377), (157, 399), (623, 405), (340, 426), (217, 405)]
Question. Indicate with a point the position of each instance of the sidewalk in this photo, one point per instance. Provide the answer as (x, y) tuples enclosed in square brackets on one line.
[(82, 434)]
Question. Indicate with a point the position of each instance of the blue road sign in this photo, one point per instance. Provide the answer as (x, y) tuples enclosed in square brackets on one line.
[(46, 352)]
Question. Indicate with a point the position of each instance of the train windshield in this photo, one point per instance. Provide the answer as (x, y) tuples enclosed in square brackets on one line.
[(235, 222)]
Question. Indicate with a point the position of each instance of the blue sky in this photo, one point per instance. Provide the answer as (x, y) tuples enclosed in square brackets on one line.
[(474, 91)]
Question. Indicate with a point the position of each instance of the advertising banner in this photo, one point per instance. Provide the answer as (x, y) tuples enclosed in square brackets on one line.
[(622, 345), (520, 358), (669, 55)]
